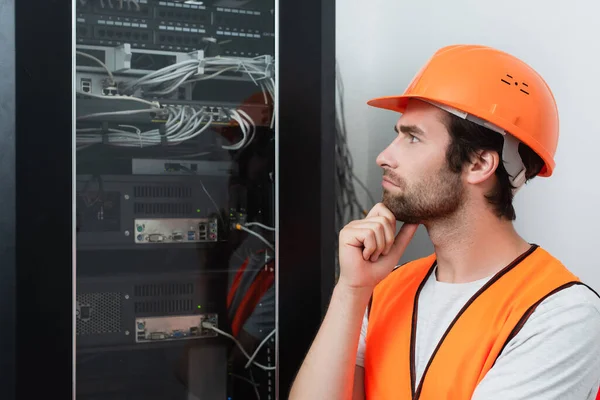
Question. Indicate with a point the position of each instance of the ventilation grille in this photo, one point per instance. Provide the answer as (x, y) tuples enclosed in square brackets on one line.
[(104, 313), (166, 289), (183, 209), (174, 306), (509, 80), (166, 191)]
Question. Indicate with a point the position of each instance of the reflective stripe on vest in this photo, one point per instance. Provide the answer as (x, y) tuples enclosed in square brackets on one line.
[(474, 339)]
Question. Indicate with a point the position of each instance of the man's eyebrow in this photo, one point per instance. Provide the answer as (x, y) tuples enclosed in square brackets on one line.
[(410, 129)]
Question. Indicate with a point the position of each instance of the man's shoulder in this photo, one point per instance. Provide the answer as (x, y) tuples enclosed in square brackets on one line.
[(576, 297)]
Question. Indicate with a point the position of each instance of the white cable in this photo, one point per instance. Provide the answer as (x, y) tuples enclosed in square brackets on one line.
[(169, 75), (210, 326), (251, 125), (173, 87), (236, 116), (259, 347), (121, 97), (111, 113), (263, 88), (135, 128), (183, 123), (260, 225), (205, 77), (158, 73), (135, 2), (110, 74), (173, 76), (243, 228)]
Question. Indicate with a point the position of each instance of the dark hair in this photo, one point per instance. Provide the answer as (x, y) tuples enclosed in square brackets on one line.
[(467, 138)]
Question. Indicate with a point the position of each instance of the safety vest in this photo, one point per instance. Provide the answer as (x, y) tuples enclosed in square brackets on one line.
[(473, 341)]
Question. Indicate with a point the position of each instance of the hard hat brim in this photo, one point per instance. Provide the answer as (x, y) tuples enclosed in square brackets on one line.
[(399, 103)]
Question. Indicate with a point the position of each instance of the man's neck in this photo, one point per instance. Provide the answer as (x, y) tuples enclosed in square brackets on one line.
[(469, 249)]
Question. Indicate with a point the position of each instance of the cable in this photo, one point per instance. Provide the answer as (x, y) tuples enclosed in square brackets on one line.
[(208, 325), (243, 228), (119, 97), (182, 123), (246, 125), (114, 113), (167, 79), (255, 384), (265, 340), (205, 191), (365, 188), (348, 207), (260, 225), (244, 379), (110, 74), (135, 2)]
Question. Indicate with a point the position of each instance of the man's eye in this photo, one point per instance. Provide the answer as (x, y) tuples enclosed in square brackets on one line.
[(413, 139)]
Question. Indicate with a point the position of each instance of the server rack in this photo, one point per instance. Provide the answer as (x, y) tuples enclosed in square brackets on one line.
[(53, 305)]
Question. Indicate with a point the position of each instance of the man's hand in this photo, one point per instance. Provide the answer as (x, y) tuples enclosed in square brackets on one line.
[(369, 249), (368, 253)]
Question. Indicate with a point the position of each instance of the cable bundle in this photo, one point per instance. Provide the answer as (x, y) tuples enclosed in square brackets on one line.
[(182, 123), (347, 205), (166, 80)]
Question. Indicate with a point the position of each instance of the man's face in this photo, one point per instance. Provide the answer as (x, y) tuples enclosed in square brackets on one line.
[(418, 186)]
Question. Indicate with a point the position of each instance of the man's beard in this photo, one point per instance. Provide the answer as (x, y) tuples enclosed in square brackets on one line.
[(437, 197)]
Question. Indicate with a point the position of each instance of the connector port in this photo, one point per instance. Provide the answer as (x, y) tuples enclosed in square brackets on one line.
[(177, 237), (86, 85), (172, 167)]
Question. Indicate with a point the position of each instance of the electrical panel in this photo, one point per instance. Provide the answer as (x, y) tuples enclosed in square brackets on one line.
[(176, 26), (175, 192)]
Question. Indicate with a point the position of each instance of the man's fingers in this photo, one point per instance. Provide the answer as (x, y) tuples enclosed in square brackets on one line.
[(384, 233), (382, 211), (369, 242)]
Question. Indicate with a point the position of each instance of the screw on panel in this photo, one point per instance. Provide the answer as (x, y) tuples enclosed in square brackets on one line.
[(126, 297), (126, 233), (126, 333), (126, 197)]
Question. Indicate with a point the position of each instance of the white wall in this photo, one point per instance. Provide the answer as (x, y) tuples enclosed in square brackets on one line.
[(382, 43)]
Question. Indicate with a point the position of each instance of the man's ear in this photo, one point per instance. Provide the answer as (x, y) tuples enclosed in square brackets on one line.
[(483, 165)]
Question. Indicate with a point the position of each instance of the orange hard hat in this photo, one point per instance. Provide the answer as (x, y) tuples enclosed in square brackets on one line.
[(492, 88)]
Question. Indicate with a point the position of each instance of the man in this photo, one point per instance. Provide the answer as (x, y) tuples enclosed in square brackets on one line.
[(488, 315)]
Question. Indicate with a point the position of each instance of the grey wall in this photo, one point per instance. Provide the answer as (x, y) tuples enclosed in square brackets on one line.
[(381, 45)]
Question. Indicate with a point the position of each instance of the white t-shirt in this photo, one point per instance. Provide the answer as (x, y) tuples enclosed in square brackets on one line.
[(556, 355)]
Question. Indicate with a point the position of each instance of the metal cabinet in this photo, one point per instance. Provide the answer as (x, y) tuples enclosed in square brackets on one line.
[(168, 200)]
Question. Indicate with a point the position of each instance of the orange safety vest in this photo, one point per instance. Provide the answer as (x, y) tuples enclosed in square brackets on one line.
[(474, 339)]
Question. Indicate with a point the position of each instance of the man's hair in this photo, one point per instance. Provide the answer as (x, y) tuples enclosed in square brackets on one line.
[(466, 139)]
